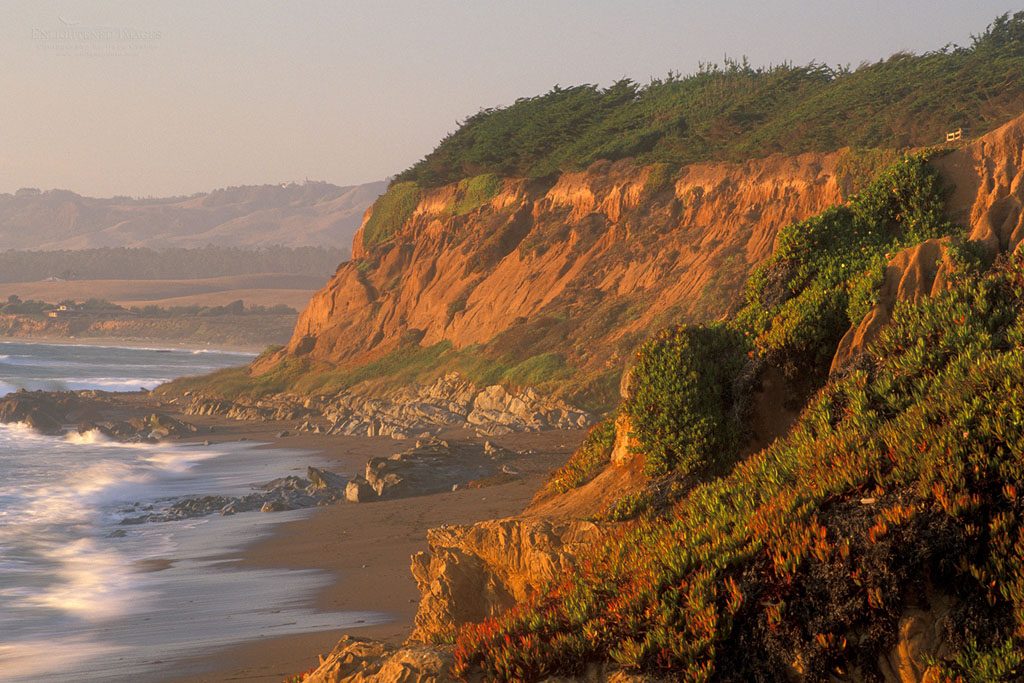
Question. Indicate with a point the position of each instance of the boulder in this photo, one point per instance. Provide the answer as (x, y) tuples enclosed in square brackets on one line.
[(359, 491), (356, 660), (473, 572)]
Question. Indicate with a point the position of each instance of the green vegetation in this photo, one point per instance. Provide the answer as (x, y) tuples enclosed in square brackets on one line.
[(101, 308), (824, 272), (659, 179), (408, 364), (535, 370), (475, 192), (681, 401), (902, 474), (736, 112), (628, 506), (122, 263), (587, 461), (404, 366), (390, 211)]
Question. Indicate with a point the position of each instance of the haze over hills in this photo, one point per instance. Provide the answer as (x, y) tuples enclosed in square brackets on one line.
[(293, 215), (266, 245)]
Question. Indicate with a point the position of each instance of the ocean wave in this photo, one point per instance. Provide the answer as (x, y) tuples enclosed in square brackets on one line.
[(88, 438)]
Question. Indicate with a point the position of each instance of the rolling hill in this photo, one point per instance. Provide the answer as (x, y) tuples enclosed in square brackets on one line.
[(293, 215)]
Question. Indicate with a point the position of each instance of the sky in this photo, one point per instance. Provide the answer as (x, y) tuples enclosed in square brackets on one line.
[(148, 98)]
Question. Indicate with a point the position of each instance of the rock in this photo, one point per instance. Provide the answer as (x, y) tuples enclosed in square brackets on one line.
[(450, 400), (359, 491), (473, 572), (322, 480), (286, 493), (282, 434), (355, 660), (44, 413), (625, 448), (429, 468), (921, 638)]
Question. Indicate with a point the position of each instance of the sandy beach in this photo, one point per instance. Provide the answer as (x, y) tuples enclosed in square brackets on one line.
[(365, 547)]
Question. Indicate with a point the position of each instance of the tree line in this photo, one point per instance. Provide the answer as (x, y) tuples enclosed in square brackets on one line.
[(734, 111)]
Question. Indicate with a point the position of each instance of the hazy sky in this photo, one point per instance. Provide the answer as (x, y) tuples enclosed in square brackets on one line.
[(174, 97)]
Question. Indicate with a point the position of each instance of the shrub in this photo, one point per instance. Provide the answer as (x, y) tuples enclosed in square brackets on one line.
[(825, 272), (475, 192), (681, 399)]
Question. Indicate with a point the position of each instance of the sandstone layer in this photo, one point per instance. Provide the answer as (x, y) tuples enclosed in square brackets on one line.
[(583, 267)]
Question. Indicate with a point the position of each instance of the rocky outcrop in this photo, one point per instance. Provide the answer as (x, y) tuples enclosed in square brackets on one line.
[(406, 412), (473, 572), (428, 467), (40, 411), (355, 660), (55, 413)]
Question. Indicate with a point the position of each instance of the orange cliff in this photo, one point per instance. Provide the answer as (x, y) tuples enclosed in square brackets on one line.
[(595, 262), (606, 251)]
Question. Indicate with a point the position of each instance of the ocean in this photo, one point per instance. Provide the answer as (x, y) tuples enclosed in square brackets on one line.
[(84, 597)]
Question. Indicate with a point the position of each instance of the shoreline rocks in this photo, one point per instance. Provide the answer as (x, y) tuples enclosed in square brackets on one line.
[(426, 468), (409, 412), (287, 493)]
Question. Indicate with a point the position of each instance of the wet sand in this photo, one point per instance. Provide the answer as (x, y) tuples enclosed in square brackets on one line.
[(365, 547)]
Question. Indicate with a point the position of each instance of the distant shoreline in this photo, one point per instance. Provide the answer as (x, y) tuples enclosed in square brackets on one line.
[(137, 343)]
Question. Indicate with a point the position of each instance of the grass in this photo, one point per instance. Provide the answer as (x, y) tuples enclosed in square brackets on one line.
[(475, 192), (587, 461)]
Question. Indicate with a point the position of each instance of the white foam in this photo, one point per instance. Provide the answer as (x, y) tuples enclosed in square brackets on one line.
[(93, 584), (93, 436)]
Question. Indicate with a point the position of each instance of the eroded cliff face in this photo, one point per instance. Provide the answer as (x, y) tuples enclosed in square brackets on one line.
[(584, 267)]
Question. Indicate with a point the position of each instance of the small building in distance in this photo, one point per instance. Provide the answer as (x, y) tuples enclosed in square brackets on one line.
[(64, 311)]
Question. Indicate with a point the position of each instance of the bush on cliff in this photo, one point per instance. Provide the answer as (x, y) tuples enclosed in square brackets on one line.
[(825, 270), (681, 403), (390, 211)]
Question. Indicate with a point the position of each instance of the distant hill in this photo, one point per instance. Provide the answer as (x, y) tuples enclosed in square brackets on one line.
[(293, 215)]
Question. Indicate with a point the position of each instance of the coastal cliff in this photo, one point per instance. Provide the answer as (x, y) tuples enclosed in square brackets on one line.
[(582, 268), (788, 524)]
